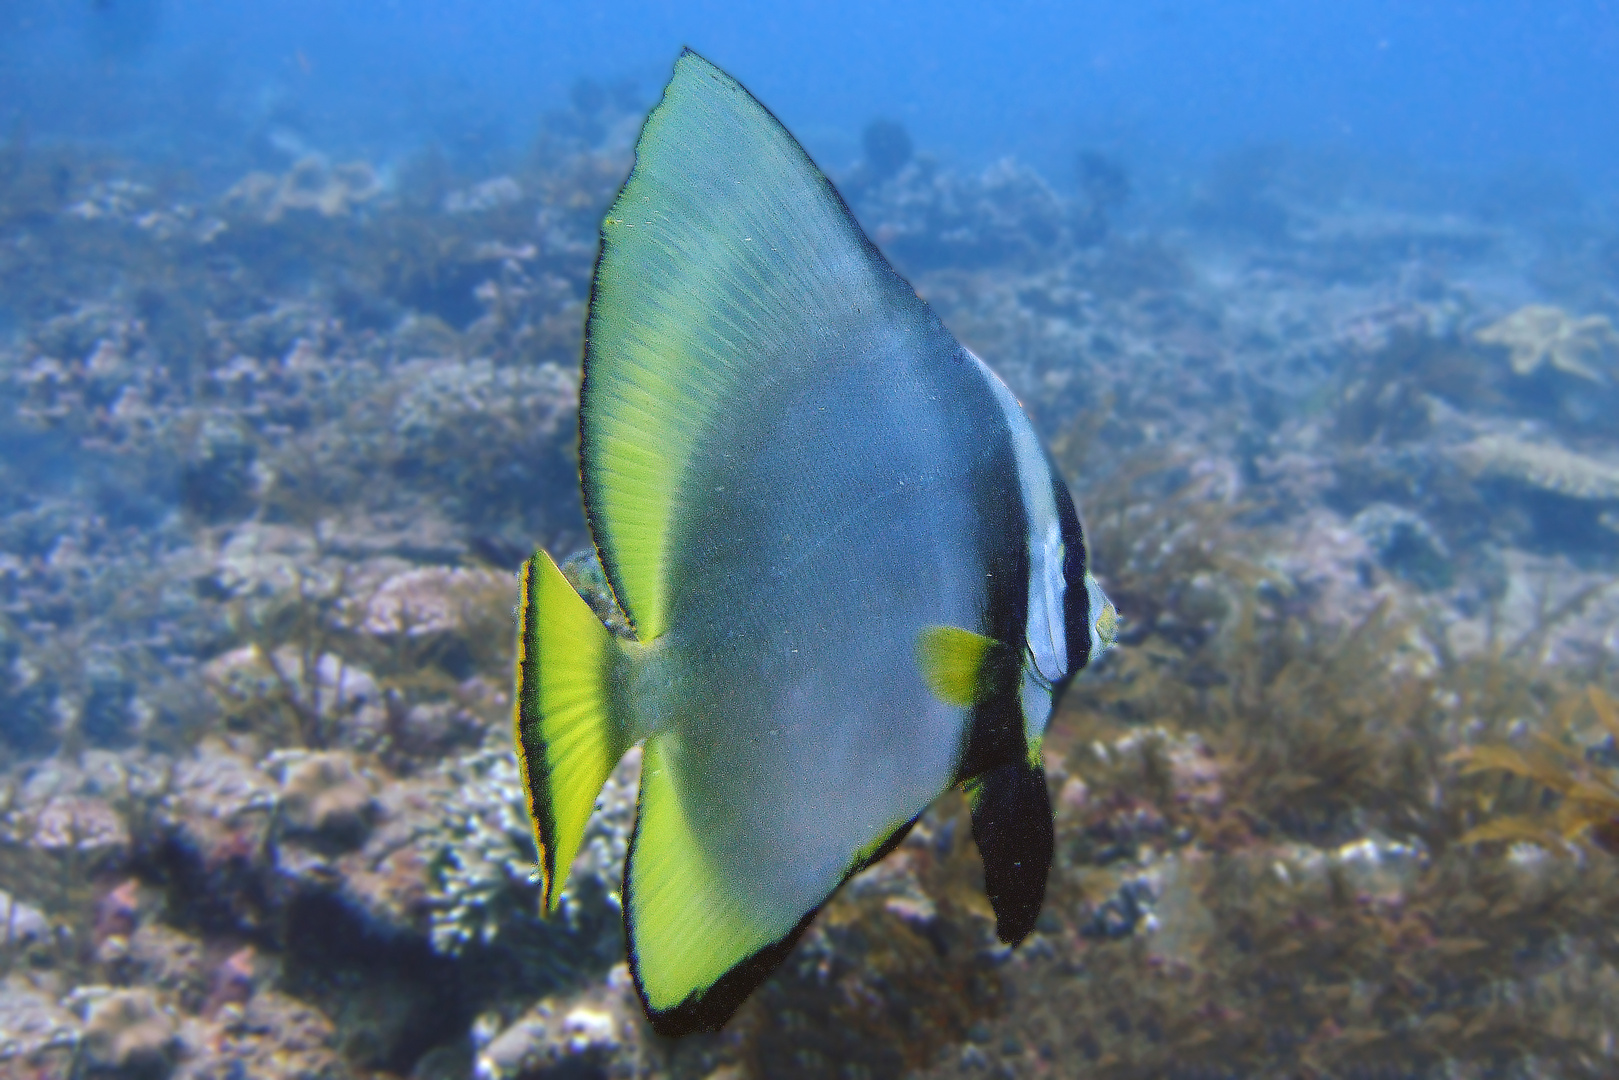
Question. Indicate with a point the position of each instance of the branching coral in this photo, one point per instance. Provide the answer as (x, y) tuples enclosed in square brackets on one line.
[(1539, 335), (1541, 465), (312, 184)]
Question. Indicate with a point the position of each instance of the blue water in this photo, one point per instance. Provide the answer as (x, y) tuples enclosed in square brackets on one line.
[(1476, 87)]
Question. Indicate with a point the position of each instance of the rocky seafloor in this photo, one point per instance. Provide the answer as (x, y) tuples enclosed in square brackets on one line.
[(1343, 803)]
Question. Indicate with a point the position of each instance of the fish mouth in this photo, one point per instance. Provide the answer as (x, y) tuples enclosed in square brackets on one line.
[(1106, 630)]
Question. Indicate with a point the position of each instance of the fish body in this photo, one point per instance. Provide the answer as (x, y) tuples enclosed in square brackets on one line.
[(853, 575)]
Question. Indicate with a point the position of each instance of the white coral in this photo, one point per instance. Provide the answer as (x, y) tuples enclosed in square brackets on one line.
[(1538, 334)]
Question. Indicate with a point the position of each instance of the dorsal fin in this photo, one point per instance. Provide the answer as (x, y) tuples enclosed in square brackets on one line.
[(726, 255)]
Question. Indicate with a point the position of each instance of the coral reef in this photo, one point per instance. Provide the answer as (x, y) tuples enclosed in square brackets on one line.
[(929, 218), (325, 799), (1341, 804)]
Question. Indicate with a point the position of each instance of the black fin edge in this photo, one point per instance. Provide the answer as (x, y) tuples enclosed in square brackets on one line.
[(710, 1008), (1076, 599), (1016, 837)]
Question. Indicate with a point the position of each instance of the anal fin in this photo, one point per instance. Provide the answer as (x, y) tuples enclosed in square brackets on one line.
[(698, 946), (1013, 828)]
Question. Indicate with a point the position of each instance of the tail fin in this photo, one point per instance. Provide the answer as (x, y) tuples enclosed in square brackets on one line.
[(568, 738)]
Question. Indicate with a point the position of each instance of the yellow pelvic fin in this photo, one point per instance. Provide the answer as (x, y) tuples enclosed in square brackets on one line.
[(568, 738)]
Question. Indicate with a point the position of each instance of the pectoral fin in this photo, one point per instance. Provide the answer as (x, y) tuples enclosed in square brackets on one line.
[(1013, 828), (963, 668)]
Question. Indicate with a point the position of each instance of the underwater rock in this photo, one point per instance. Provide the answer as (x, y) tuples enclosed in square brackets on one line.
[(1104, 188), (486, 195), (496, 440), (431, 600), (333, 703), (159, 957), (118, 912), (485, 891), (596, 1032), (68, 812), (1120, 914), (1539, 334), (37, 1036), (927, 219), (88, 826), (108, 713), (217, 479), (1326, 559), (371, 847), (233, 981), (902, 962), (1345, 242), (20, 923), (327, 801), (28, 718), (430, 729), (1381, 869), (417, 536), (584, 572), (213, 830), (261, 559), (272, 1035), (128, 1034), (1405, 544), (444, 858), (1568, 613)]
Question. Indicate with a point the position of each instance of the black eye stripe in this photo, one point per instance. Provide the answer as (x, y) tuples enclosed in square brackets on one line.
[(1076, 600)]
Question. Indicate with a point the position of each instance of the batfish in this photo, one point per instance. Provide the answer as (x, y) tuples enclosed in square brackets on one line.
[(853, 576)]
